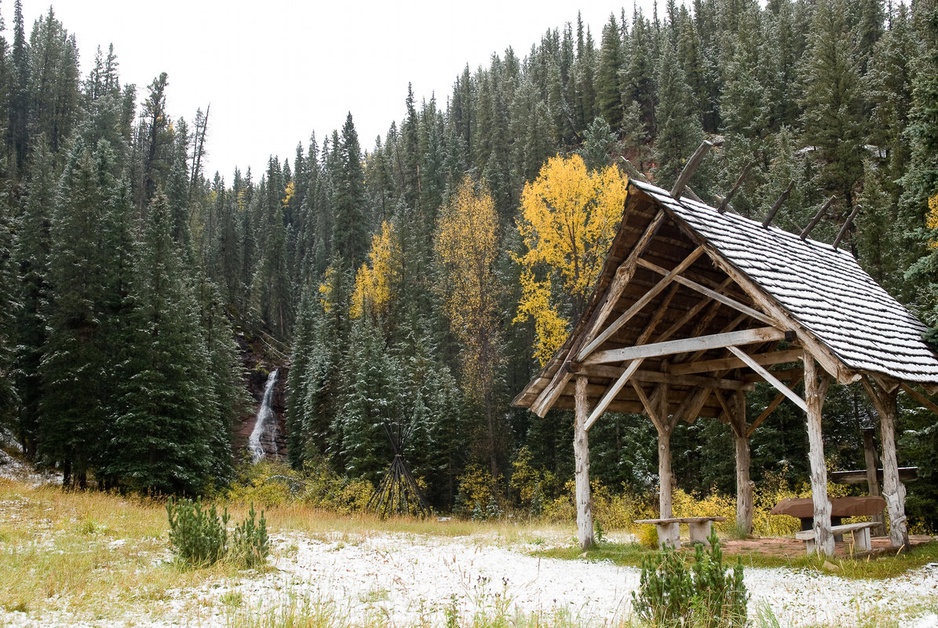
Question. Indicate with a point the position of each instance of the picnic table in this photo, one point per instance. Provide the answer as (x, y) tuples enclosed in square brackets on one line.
[(803, 508), (669, 532)]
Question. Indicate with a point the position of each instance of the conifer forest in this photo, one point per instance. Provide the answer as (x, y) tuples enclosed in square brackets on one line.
[(411, 288)]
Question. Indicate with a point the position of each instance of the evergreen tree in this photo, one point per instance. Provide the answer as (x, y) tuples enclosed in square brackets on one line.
[(351, 224), (33, 249), (609, 84), (160, 435), (679, 129), (74, 371)]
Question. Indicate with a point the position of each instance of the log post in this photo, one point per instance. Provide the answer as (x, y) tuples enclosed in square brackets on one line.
[(744, 485), (893, 489), (872, 477), (816, 382), (581, 452), (665, 499)]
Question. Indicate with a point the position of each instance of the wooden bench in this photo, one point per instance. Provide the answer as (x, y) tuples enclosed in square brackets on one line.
[(860, 532), (669, 532)]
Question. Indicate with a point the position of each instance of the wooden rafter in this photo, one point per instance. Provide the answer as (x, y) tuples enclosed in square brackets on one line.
[(722, 298), (623, 275), (767, 376), (644, 300)]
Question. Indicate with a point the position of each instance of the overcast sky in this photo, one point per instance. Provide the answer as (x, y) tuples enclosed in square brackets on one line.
[(274, 71)]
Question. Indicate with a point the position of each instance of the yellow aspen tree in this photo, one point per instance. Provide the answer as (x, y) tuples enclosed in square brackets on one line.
[(931, 220), (569, 216), (375, 279), (467, 246)]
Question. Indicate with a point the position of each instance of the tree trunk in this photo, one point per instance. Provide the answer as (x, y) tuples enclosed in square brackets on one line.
[(584, 515), (815, 386)]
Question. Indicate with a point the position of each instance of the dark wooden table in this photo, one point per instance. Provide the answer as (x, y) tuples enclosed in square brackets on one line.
[(803, 508)]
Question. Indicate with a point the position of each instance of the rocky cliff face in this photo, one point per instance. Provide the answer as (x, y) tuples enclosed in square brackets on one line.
[(258, 364)]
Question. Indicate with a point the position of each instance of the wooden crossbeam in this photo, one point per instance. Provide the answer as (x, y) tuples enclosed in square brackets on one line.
[(713, 294), (687, 345), (690, 315), (637, 307), (612, 392), (774, 381), (721, 364), (613, 372), (769, 409)]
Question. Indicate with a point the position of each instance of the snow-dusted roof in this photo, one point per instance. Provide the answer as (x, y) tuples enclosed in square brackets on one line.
[(823, 289)]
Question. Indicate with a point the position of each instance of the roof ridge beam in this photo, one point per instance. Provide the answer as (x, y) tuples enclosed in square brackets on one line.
[(687, 345)]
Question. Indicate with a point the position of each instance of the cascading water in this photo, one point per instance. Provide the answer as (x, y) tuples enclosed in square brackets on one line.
[(265, 429)]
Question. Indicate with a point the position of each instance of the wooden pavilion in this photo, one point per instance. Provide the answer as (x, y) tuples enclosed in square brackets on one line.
[(694, 306)]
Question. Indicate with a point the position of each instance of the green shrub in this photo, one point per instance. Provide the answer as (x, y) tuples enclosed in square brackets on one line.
[(671, 593), (250, 545), (198, 535)]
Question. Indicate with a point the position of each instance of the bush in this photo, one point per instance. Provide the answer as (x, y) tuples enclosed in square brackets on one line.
[(199, 535), (673, 594), (250, 545)]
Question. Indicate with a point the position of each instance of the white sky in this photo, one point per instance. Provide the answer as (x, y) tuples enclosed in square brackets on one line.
[(277, 70)]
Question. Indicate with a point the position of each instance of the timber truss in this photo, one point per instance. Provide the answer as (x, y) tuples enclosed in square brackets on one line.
[(693, 307)]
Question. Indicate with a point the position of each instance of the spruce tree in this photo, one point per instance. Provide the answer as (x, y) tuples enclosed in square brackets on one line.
[(609, 83), (159, 438)]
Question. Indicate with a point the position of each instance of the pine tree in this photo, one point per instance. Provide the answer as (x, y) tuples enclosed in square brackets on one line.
[(351, 224), (679, 129), (833, 113), (33, 249), (160, 435), (74, 371), (609, 84)]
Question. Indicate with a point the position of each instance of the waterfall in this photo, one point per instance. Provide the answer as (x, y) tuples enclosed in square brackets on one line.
[(264, 428)]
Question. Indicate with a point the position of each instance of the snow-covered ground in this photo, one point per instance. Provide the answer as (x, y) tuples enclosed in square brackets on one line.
[(408, 580)]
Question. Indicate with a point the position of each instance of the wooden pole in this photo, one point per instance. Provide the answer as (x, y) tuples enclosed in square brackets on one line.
[(744, 485), (581, 452), (689, 168), (893, 489), (815, 388), (872, 478)]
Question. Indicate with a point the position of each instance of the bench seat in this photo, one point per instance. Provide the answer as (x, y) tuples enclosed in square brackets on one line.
[(669, 532), (860, 532)]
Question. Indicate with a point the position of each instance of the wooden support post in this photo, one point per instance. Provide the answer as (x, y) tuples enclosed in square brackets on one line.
[(581, 452), (744, 485), (816, 382), (893, 489), (872, 477)]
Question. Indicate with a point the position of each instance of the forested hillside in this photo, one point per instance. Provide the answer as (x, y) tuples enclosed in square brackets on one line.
[(423, 280)]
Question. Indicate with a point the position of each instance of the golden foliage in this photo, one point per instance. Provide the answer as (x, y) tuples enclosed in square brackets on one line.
[(326, 289), (931, 219), (466, 248), (288, 194), (569, 217), (374, 281)]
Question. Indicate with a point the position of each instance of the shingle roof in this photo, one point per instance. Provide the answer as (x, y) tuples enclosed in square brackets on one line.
[(824, 289)]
